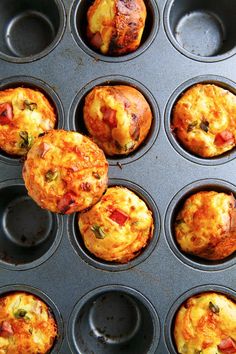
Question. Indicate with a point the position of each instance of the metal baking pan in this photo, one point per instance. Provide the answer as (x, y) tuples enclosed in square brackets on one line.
[(107, 308)]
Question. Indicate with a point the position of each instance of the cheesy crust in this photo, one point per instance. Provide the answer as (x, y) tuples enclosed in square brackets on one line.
[(117, 117), (206, 227), (115, 27), (27, 325), (65, 172), (24, 115), (118, 227), (204, 121), (206, 324)]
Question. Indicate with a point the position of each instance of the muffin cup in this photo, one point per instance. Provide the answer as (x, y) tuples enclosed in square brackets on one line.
[(29, 30), (76, 121), (201, 30), (50, 94), (204, 79), (42, 296), (78, 24), (172, 211), (169, 322), (29, 234), (78, 244), (113, 319)]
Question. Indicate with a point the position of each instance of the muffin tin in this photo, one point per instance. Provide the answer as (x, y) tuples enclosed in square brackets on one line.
[(100, 307)]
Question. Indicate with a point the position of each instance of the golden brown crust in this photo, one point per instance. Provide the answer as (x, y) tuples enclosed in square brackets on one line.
[(205, 323), (115, 27), (203, 120), (32, 115), (118, 227), (117, 117), (27, 325), (205, 226), (65, 172)]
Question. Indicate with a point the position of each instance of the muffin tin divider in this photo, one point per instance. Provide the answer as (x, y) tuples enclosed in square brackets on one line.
[(162, 277)]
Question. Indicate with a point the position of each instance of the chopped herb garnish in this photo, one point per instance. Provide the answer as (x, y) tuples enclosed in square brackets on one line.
[(214, 308), (30, 105), (204, 125), (98, 231), (31, 330), (197, 351), (96, 175), (192, 125), (20, 313), (26, 139), (51, 176)]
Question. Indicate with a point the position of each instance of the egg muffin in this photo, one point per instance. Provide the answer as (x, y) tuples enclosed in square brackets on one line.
[(206, 324), (115, 27), (206, 225), (27, 325), (117, 117), (24, 115), (203, 120), (118, 227), (65, 172)]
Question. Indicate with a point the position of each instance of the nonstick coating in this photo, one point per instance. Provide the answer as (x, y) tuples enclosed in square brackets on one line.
[(65, 69)]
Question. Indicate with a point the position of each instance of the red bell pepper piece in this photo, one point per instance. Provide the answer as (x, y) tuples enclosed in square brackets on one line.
[(6, 329), (43, 149), (227, 346), (66, 202), (119, 217), (96, 40), (224, 137), (109, 116), (6, 113)]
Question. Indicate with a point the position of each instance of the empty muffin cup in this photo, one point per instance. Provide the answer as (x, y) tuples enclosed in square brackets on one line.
[(78, 24), (52, 309), (202, 30), (76, 121), (80, 248), (30, 29), (113, 319), (170, 318), (29, 234), (176, 205)]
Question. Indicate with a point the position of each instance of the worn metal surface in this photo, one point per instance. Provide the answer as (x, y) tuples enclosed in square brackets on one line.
[(161, 170)]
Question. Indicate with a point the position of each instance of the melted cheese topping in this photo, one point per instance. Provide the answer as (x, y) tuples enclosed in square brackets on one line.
[(100, 18), (132, 113), (114, 241), (26, 325), (203, 322), (32, 115), (65, 172), (120, 24), (201, 113), (204, 225)]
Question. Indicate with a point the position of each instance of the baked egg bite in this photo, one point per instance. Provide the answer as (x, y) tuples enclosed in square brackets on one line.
[(203, 120), (206, 225), (118, 227), (65, 172), (115, 27), (206, 324), (27, 325), (118, 118), (24, 115)]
